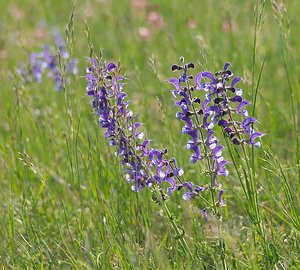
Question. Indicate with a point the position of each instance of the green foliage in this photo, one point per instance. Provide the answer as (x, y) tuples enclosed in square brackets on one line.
[(64, 200)]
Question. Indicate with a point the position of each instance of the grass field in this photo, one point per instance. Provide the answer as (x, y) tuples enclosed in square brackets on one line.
[(64, 199)]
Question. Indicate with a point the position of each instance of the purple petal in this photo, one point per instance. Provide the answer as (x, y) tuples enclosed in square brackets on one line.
[(242, 104), (120, 98), (227, 64), (174, 93), (179, 115), (206, 124), (209, 135), (209, 75), (236, 141), (110, 67), (199, 189), (188, 185), (144, 147), (245, 113), (238, 91), (194, 158), (220, 165), (214, 108), (221, 201), (248, 121), (189, 122), (173, 187), (155, 157), (223, 123), (194, 134), (214, 178), (198, 80), (175, 82), (257, 144), (204, 105), (235, 81), (254, 136), (205, 214), (187, 196), (236, 99), (217, 150)]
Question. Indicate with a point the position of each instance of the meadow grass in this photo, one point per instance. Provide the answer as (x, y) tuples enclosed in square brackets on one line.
[(64, 199)]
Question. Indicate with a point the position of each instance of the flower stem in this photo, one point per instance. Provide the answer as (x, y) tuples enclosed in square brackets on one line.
[(178, 231)]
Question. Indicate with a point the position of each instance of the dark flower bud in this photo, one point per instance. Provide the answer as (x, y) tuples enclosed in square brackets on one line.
[(171, 174), (190, 65), (200, 112), (227, 72), (179, 187), (174, 67), (196, 100), (218, 100), (236, 99), (189, 113), (236, 141), (223, 123)]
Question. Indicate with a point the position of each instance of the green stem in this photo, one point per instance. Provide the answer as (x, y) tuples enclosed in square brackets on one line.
[(178, 232)]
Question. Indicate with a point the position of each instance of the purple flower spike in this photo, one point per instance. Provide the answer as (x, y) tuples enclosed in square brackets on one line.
[(45, 64), (220, 102)]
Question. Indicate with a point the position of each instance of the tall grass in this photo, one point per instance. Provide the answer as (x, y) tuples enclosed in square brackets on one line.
[(64, 199)]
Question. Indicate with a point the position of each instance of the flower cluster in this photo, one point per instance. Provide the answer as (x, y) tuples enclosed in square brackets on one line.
[(144, 166), (220, 102), (223, 101), (46, 62), (150, 167)]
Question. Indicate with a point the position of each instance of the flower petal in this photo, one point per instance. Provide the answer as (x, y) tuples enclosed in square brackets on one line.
[(110, 67), (227, 64), (175, 82), (242, 104), (254, 136), (235, 81), (198, 79)]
